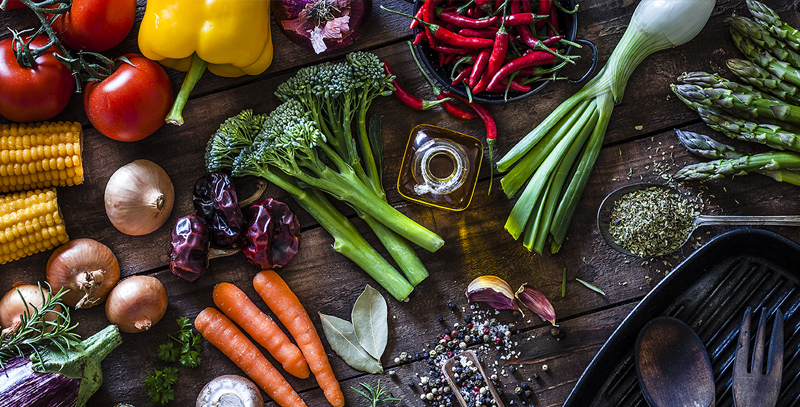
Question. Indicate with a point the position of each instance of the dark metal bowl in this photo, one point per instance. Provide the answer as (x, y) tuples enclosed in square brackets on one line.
[(569, 28)]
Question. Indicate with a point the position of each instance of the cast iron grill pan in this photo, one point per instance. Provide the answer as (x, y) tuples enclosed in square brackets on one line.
[(710, 291)]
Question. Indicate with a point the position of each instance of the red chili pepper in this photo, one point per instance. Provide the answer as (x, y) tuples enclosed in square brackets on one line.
[(488, 121), (456, 111), (448, 58), (427, 17), (485, 5), (464, 74), (459, 20), (420, 11), (419, 38), (545, 6), (496, 60), (525, 61), (452, 50), (407, 98), (480, 65), (552, 40), (450, 37), (522, 19), (501, 87), (489, 32)]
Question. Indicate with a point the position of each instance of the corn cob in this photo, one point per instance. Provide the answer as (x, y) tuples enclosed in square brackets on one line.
[(30, 222), (40, 155)]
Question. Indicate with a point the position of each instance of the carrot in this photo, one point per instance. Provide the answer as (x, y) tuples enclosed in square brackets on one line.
[(222, 333), (234, 303), (282, 301)]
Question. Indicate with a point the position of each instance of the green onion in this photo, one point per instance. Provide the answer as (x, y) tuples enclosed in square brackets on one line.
[(556, 157)]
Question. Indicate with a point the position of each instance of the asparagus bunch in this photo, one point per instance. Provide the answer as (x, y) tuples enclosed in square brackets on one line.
[(764, 80), (752, 105), (762, 38), (770, 20), (726, 157)]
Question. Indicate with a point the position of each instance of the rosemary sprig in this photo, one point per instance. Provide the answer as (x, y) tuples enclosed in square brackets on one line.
[(35, 332), (374, 394)]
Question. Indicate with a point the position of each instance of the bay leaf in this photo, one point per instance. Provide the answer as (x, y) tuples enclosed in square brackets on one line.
[(343, 341), (369, 322)]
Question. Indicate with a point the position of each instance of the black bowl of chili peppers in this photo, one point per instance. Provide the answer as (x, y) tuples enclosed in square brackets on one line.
[(496, 51)]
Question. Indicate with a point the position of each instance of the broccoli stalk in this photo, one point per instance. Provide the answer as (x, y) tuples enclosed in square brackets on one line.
[(336, 95), (231, 148)]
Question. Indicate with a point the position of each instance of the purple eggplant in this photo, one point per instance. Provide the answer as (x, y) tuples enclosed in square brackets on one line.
[(60, 378)]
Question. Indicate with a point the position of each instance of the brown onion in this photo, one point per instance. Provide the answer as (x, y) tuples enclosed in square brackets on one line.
[(139, 198), (86, 268), (136, 303), (12, 306)]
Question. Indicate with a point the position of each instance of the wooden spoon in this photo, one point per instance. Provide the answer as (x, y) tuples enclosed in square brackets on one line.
[(672, 365)]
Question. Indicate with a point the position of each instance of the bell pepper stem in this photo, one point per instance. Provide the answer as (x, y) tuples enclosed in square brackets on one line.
[(196, 70)]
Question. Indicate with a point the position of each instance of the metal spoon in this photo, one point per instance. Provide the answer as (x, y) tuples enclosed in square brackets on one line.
[(672, 365), (604, 216)]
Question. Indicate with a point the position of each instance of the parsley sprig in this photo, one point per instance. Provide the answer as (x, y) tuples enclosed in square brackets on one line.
[(190, 345), (159, 385)]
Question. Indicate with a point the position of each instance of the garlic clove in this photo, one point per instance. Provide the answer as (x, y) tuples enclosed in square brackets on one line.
[(492, 291), (536, 301)]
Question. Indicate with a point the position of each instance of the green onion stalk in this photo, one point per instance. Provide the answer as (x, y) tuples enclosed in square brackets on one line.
[(556, 157)]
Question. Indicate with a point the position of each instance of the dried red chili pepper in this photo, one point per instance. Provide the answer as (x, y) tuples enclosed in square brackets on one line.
[(480, 65), (462, 21), (496, 60), (533, 59), (406, 97)]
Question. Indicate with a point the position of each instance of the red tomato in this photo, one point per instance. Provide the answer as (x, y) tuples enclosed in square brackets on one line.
[(37, 93), (96, 25), (130, 104)]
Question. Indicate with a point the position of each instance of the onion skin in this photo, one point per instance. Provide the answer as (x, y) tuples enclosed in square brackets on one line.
[(136, 303), (12, 307), (139, 198), (86, 268)]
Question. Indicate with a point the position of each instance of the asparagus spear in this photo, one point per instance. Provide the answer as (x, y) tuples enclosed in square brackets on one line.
[(760, 163), (736, 128), (712, 80), (764, 80), (750, 105), (780, 69), (704, 146), (770, 20), (760, 36)]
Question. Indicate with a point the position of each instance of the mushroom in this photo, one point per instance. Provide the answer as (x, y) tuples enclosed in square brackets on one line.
[(230, 391)]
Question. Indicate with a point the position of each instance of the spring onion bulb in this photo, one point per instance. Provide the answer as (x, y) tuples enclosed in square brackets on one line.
[(556, 157)]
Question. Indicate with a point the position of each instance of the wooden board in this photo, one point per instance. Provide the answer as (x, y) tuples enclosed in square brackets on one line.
[(476, 243)]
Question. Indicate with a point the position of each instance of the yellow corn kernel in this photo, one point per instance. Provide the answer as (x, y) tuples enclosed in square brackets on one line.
[(30, 222), (40, 155)]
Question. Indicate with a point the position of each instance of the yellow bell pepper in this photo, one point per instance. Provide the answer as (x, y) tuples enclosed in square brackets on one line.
[(229, 37)]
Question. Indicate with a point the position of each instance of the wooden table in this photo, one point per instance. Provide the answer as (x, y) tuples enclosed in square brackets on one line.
[(640, 146)]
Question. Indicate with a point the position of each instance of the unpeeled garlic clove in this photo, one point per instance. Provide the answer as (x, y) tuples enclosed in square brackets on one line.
[(535, 301), (492, 291)]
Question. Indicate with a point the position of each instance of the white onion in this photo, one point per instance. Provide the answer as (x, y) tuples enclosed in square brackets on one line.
[(139, 198), (136, 303)]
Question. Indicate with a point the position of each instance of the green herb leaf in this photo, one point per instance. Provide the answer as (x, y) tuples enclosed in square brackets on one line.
[(375, 395), (591, 287), (159, 385), (168, 352), (370, 322), (564, 283), (343, 341)]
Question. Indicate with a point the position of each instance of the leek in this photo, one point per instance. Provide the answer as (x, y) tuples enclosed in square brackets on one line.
[(557, 156)]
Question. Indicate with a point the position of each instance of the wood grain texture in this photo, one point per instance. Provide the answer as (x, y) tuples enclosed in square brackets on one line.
[(476, 243)]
